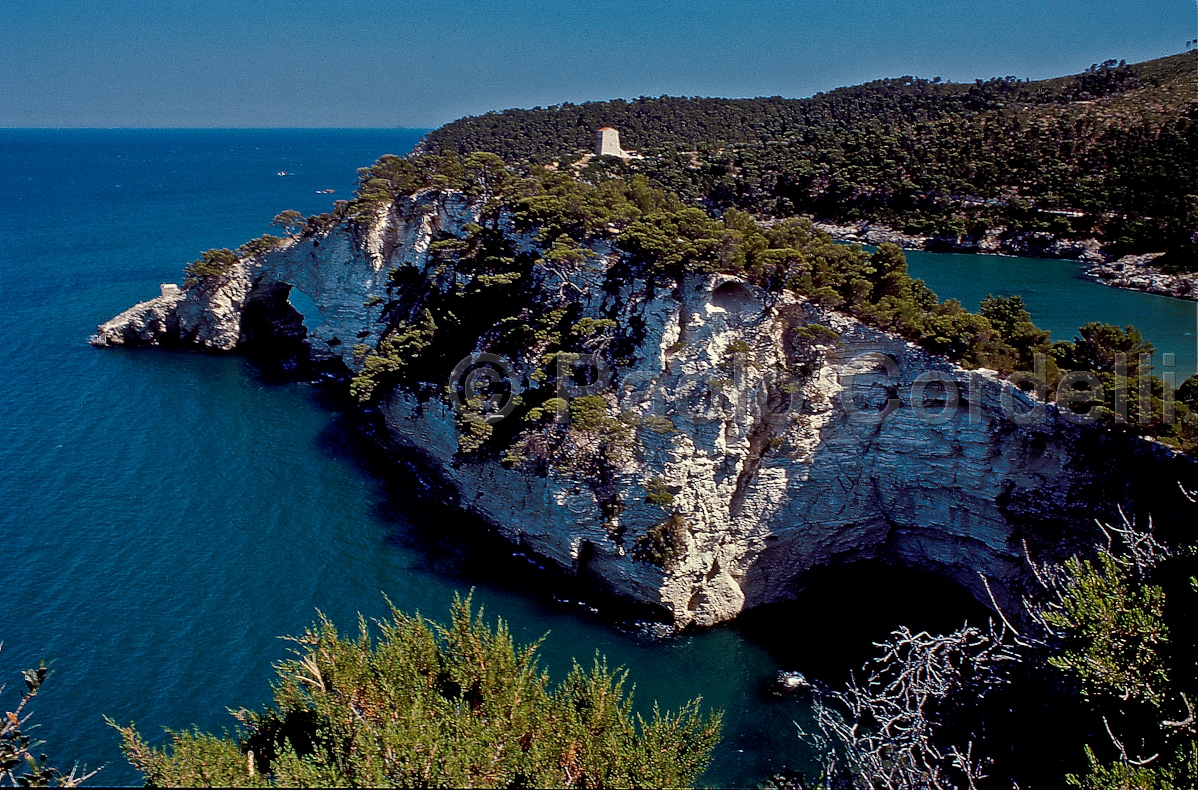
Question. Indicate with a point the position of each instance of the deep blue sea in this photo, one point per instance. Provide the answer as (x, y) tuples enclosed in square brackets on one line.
[(166, 517)]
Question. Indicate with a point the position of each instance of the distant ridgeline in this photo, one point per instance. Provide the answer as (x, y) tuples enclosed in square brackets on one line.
[(1110, 153)]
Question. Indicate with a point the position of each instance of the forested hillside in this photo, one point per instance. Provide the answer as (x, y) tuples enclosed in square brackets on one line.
[(1110, 153)]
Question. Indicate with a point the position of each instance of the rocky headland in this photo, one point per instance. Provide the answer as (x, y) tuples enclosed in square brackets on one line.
[(762, 435), (1140, 273)]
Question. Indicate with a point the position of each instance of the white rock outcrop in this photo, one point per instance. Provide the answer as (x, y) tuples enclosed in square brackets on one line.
[(1140, 273), (782, 451)]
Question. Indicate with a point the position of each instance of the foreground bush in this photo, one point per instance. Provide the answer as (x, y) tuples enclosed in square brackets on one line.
[(431, 705), (21, 764), (1112, 634)]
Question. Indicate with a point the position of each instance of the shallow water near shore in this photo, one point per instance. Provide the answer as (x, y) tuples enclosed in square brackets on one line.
[(1060, 299), (167, 516)]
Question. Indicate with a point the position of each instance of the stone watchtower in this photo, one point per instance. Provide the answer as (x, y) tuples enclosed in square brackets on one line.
[(608, 143)]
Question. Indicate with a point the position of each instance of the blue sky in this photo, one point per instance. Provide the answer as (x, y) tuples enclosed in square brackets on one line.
[(367, 63)]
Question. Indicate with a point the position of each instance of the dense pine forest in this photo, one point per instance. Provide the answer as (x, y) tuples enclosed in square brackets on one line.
[(1111, 153)]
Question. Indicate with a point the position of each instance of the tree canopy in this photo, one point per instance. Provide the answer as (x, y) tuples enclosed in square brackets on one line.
[(428, 705), (1111, 152)]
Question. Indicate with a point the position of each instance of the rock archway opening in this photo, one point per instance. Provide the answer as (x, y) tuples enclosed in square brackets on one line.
[(839, 612), (303, 304)]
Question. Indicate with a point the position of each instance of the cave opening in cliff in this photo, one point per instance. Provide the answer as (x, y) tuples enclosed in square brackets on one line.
[(831, 626), (271, 326)]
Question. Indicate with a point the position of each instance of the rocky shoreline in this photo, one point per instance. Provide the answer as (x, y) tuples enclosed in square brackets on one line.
[(775, 452), (1131, 272), (995, 242), (1137, 273)]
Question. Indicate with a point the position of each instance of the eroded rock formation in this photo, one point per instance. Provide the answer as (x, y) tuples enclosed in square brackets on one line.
[(781, 450)]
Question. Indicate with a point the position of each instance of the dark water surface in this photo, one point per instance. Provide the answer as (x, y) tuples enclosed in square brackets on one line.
[(165, 517)]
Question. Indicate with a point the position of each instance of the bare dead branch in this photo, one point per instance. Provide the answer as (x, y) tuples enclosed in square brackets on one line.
[(997, 608), (882, 728), (1184, 724)]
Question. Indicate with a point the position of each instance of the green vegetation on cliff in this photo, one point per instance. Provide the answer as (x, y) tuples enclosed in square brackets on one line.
[(1111, 152), (482, 292), (426, 705), (211, 263), (661, 240)]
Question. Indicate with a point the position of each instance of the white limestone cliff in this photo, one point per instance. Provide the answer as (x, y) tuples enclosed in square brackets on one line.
[(774, 471)]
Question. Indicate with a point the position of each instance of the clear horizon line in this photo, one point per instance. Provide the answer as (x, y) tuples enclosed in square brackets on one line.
[(534, 107)]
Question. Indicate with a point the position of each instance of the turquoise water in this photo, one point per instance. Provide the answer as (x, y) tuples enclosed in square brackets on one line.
[(166, 516), (1060, 300)]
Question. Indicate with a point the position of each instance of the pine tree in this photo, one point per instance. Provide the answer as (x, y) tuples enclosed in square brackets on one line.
[(426, 705)]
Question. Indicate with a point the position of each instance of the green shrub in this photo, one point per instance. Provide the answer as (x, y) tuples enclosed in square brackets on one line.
[(589, 413), (1179, 772), (664, 543), (1111, 620), (659, 424), (608, 439), (291, 221), (473, 431), (817, 333), (396, 351), (1009, 317), (425, 705), (1187, 393), (592, 326), (1133, 398), (656, 493), (551, 407), (264, 243), (739, 348), (212, 263), (1116, 630)]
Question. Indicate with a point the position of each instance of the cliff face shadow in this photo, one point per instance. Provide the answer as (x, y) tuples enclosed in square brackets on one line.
[(1033, 726), (830, 628), (422, 514)]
